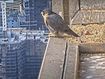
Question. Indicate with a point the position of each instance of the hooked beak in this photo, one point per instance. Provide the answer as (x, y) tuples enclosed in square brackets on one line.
[(41, 13)]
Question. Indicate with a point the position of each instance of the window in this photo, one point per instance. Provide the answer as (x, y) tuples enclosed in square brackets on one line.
[(26, 4)]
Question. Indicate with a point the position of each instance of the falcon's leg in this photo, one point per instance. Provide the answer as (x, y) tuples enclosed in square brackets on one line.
[(53, 34)]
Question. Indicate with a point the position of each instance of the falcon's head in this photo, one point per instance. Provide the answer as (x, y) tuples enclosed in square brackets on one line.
[(46, 12)]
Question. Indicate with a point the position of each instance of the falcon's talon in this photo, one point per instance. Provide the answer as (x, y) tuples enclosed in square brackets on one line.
[(51, 35)]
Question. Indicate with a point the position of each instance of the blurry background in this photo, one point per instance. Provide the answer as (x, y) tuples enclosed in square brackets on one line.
[(23, 42)]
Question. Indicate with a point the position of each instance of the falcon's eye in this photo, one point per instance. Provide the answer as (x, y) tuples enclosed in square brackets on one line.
[(43, 13)]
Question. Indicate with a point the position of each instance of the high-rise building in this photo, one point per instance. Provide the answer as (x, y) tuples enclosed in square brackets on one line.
[(12, 10), (30, 60), (32, 9), (12, 61), (31, 17), (1, 71), (23, 56)]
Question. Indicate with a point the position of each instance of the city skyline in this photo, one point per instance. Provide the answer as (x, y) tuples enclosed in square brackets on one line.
[(23, 43)]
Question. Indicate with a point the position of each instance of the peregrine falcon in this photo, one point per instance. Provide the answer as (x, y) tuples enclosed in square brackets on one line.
[(55, 24)]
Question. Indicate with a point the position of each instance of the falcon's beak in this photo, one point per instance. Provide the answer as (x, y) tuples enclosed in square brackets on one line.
[(41, 13)]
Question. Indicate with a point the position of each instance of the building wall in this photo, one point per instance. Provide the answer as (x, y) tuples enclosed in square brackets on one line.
[(23, 60), (12, 18), (0, 16), (11, 64), (32, 59), (11, 60), (0, 20), (1, 76)]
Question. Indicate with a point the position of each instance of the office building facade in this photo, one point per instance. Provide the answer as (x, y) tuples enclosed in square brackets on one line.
[(22, 58)]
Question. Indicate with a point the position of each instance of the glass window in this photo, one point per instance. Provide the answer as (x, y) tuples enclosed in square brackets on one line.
[(26, 4)]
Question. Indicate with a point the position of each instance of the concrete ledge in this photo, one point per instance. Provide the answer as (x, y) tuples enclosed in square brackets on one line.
[(52, 65), (60, 60)]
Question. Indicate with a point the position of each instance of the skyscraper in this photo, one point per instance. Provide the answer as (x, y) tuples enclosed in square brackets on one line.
[(12, 11), (30, 61), (1, 71), (31, 17), (32, 10), (22, 58)]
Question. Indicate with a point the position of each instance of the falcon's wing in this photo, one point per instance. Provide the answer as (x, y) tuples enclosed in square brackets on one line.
[(56, 22)]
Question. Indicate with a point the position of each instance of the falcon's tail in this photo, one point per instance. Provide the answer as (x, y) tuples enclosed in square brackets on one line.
[(70, 32)]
